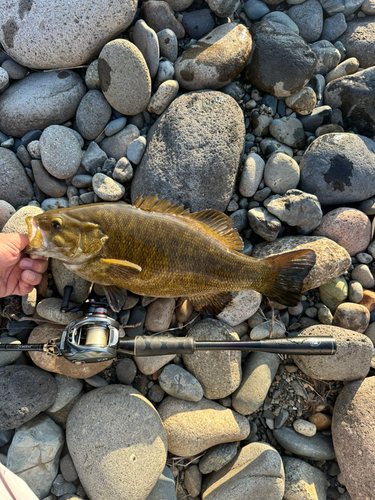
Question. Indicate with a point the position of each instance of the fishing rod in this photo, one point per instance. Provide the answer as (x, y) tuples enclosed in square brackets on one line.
[(96, 337)]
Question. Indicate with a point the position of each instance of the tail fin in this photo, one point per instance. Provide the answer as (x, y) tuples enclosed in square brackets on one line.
[(285, 277)]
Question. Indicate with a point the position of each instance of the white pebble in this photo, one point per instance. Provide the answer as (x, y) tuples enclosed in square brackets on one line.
[(304, 427)]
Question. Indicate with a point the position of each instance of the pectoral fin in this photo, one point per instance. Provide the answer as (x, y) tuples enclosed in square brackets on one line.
[(116, 297), (123, 268), (210, 303)]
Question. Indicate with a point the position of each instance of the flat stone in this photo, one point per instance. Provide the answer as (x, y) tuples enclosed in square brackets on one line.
[(259, 371), (193, 427), (184, 156), (106, 188), (331, 259), (252, 175), (149, 365), (136, 150), (282, 62), (25, 392), (353, 436), (147, 42), (53, 203), (124, 77), (97, 450), (338, 168), (281, 18), (42, 99), (180, 384), (241, 307), (34, 453), (16, 188), (46, 182), (60, 151), (58, 364), (347, 67), (217, 457), (304, 427), (168, 44), (303, 481), (17, 224), (289, 131), (116, 146), (219, 372), (318, 447), (350, 362), (93, 114), (214, 60), (257, 472), (54, 30), (67, 468)]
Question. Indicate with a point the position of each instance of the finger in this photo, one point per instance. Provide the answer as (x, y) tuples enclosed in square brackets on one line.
[(23, 240), (24, 288), (31, 278), (39, 266)]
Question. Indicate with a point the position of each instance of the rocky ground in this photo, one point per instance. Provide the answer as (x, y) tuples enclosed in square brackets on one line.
[(263, 110)]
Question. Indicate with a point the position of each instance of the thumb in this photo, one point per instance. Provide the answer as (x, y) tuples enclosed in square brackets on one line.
[(16, 241)]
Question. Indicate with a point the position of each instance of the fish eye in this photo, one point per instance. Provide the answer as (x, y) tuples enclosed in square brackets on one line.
[(56, 223)]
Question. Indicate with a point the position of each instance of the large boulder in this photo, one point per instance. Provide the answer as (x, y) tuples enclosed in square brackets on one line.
[(359, 39), (193, 152), (117, 443), (353, 432), (50, 34)]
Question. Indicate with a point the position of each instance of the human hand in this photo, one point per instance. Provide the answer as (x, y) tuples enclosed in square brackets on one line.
[(18, 273)]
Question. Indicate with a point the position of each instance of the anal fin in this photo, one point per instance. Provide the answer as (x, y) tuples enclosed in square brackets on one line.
[(116, 297), (212, 303)]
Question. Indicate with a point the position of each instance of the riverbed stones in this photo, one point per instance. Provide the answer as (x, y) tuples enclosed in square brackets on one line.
[(106, 188), (199, 140), (350, 362), (162, 98), (289, 131), (58, 364), (25, 392), (303, 101), (219, 372), (214, 60), (242, 306), (42, 99), (124, 77), (256, 472), (318, 447), (339, 168), (46, 182), (15, 186), (350, 316), (347, 67), (308, 16), (282, 62), (34, 453), (296, 208), (303, 481), (159, 16), (353, 436), (97, 449), (331, 259), (147, 42), (259, 371), (56, 45), (93, 114), (349, 227), (281, 173), (116, 146), (193, 427), (252, 175), (180, 384), (263, 223), (354, 96), (359, 39)]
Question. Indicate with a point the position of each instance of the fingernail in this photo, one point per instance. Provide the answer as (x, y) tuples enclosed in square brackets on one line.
[(30, 276), (25, 264)]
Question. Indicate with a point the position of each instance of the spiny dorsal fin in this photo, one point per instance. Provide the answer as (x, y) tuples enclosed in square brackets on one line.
[(154, 204), (218, 223), (221, 225)]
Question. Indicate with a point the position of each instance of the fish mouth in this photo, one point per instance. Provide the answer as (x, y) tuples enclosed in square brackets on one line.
[(37, 237)]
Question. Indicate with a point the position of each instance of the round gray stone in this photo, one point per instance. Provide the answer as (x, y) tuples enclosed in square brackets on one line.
[(6, 212), (60, 151), (217, 457), (347, 7), (281, 173), (116, 146), (54, 27), (339, 168), (46, 182), (14, 70), (124, 77), (4, 78), (25, 391), (106, 188), (334, 26), (136, 149), (308, 16), (15, 186), (67, 389), (126, 371), (97, 450), (289, 131), (93, 114), (282, 62), (179, 165), (168, 44), (198, 23), (42, 99), (8, 357), (53, 203), (179, 383)]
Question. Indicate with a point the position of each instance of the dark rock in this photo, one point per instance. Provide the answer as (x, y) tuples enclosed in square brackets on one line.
[(359, 39)]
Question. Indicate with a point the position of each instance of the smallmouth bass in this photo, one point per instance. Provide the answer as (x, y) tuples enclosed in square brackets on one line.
[(159, 249)]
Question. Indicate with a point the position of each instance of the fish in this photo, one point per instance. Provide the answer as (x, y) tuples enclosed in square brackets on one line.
[(160, 249)]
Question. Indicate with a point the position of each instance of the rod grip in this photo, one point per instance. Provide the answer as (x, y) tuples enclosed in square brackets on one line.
[(158, 346)]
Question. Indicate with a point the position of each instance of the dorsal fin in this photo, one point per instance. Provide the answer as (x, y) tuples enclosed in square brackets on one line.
[(154, 204), (221, 225), (212, 220)]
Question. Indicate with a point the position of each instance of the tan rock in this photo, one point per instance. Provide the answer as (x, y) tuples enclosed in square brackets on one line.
[(350, 362), (321, 420), (303, 101), (50, 309), (332, 260), (348, 227), (183, 311), (352, 317), (216, 59), (58, 364), (151, 364), (353, 433), (193, 427), (159, 315)]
